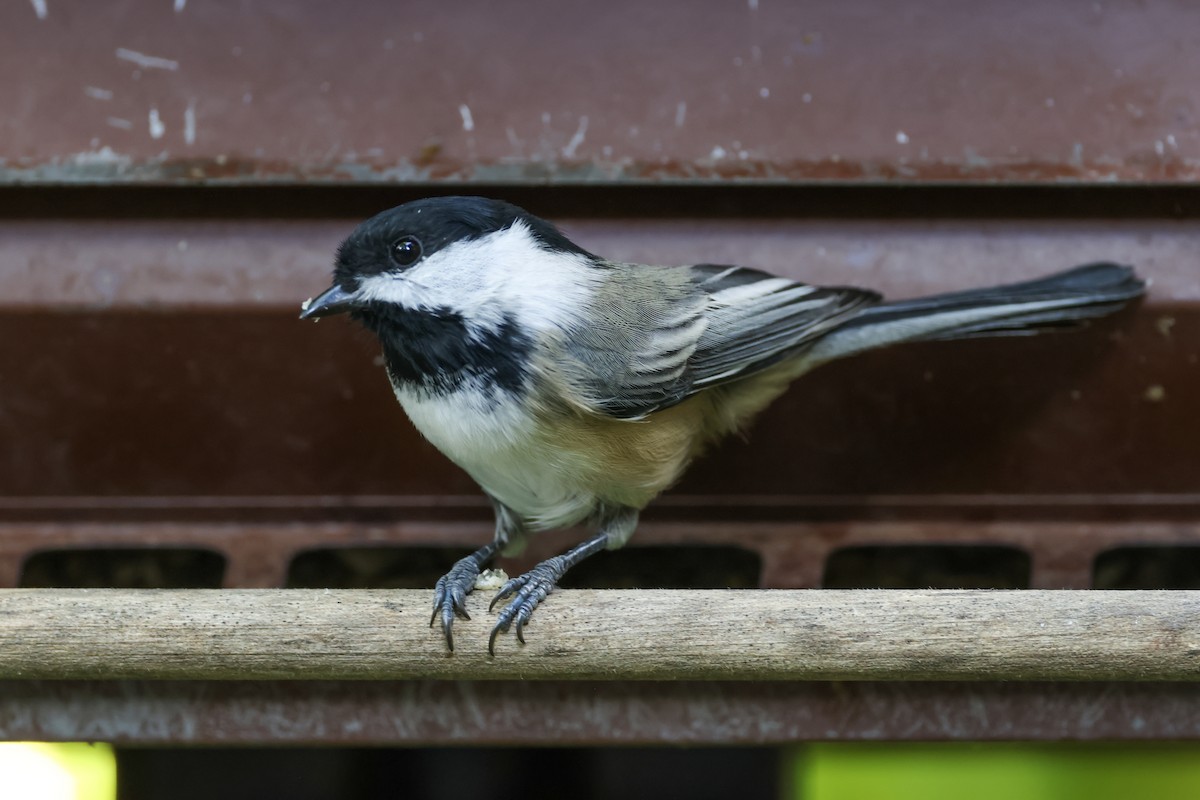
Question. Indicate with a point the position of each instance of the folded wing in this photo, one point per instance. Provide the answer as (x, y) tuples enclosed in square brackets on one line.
[(696, 327)]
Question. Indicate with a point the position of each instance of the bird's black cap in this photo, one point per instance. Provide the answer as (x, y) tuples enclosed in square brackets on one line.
[(436, 222)]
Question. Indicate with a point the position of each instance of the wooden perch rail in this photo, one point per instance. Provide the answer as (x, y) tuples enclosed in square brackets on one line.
[(617, 635)]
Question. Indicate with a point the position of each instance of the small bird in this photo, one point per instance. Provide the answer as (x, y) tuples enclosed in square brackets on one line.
[(576, 389)]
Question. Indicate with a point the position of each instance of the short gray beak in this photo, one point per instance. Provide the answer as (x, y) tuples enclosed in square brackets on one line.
[(333, 300)]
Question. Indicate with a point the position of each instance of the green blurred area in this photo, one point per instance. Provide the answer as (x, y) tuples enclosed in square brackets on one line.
[(930, 771), (824, 771), (57, 771)]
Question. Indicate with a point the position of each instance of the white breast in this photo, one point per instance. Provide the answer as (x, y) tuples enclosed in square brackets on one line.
[(493, 440)]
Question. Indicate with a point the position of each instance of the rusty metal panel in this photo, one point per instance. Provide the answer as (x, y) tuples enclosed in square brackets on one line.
[(546, 713), (193, 262), (585, 92), (197, 381), (792, 554), (220, 404)]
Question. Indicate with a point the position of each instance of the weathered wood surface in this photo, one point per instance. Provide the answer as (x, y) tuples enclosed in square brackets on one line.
[(617, 635)]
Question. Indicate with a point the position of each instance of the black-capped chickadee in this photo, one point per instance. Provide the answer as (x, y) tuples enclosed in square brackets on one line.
[(573, 388)]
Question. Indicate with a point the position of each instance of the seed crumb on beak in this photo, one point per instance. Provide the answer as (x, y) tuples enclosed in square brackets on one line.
[(305, 306)]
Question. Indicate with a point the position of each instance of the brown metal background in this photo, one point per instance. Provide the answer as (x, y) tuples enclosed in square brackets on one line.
[(576, 91), (185, 332), (156, 390)]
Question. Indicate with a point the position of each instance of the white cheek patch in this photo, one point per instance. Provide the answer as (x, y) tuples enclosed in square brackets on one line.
[(400, 289), (491, 280), (391, 287)]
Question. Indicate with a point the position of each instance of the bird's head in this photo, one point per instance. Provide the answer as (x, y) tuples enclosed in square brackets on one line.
[(478, 259)]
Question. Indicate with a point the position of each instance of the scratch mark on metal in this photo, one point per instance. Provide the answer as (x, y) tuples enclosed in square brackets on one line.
[(39, 8), (468, 121), (189, 124), (146, 62), (1076, 159), (680, 114), (118, 122), (577, 139), (157, 128), (96, 93)]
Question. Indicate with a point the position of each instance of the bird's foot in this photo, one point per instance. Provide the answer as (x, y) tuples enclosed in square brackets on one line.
[(526, 592), (531, 588), (450, 592)]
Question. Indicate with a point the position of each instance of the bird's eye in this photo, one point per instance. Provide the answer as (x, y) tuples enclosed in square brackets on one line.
[(406, 250)]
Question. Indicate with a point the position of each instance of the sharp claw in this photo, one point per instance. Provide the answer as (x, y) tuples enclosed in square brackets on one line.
[(492, 640), (518, 611), (503, 593), (509, 589), (439, 599), (448, 627)]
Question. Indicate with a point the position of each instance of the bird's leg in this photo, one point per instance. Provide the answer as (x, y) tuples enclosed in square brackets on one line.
[(531, 588), (450, 592)]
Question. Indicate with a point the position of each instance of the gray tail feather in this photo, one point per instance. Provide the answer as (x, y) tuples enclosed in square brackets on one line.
[(1061, 300)]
